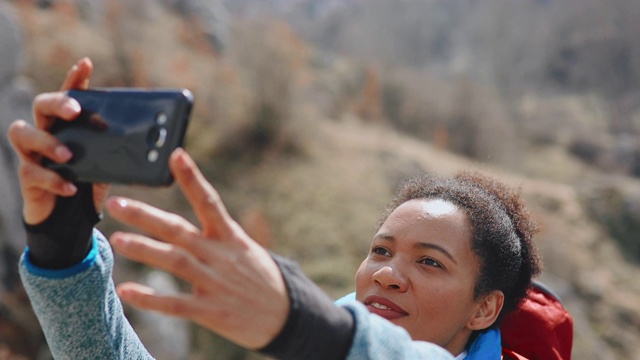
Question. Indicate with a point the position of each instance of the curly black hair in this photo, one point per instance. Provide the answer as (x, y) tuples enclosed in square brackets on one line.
[(502, 230)]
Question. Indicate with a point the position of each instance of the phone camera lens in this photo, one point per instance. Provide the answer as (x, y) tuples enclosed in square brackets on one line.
[(157, 136), (161, 118), (152, 155)]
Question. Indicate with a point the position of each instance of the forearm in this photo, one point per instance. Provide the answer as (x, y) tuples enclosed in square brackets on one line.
[(315, 327), (318, 329), (78, 309)]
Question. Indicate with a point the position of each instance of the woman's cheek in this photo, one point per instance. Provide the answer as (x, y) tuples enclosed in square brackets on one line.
[(363, 278)]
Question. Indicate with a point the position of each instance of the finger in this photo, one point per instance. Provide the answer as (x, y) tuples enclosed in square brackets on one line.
[(164, 256), (48, 106), (30, 143), (146, 298), (39, 187), (78, 76), (34, 177), (158, 223), (206, 313), (100, 192), (205, 200)]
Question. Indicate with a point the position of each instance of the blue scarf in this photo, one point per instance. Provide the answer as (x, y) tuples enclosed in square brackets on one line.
[(487, 345)]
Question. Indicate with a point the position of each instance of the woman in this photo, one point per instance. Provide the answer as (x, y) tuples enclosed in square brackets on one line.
[(430, 270), (451, 257)]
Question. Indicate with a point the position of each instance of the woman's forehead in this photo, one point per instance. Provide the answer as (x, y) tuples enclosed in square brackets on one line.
[(437, 207), (432, 222), (421, 213), (428, 208)]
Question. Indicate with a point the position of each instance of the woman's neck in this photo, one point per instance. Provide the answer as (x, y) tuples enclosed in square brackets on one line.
[(458, 343)]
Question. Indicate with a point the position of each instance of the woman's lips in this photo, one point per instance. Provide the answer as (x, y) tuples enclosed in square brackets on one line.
[(384, 307)]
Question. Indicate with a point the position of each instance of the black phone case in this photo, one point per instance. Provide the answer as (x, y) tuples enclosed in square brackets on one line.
[(123, 136)]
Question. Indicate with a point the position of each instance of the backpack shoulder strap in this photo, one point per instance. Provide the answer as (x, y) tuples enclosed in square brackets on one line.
[(510, 355)]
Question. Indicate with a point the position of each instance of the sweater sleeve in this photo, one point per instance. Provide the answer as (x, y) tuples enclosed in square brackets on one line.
[(78, 309), (378, 339), (315, 329), (319, 329)]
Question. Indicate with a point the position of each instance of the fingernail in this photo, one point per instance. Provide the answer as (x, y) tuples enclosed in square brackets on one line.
[(117, 203), (124, 293), (80, 61), (71, 107), (182, 160), (69, 188), (62, 153), (119, 239)]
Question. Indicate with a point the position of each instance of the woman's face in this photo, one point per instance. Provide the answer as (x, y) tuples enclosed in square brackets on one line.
[(420, 272)]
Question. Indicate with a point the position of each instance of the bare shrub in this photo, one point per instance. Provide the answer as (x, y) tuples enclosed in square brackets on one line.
[(368, 104), (459, 115), (268, 57), (618, 210), (416, 102), (586, 149)]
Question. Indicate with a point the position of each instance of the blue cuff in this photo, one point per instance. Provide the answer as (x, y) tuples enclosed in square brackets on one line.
[(82, 266)]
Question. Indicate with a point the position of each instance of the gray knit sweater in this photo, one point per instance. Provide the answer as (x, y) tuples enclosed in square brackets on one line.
[(79, 310)]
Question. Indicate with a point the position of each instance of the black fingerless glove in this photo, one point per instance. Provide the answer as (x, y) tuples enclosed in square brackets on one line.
[(316, 328), (64, 238)]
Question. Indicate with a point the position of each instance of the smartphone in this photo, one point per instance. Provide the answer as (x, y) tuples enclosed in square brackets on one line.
[(123, 135)]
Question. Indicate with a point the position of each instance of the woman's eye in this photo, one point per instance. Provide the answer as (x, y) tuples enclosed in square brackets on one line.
[(430, 262), (380, 251)]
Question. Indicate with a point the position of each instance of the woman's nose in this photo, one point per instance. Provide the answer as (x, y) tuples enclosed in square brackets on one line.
[(390, 277)]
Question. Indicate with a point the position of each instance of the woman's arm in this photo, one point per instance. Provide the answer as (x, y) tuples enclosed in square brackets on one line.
[(66, 271), (318, 329), (78, 309), (239, 290)]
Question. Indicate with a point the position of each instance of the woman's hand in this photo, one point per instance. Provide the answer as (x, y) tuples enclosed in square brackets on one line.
[(237, 289), (39, 185)]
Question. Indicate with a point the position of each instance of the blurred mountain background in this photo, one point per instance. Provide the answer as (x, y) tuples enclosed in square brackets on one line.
[(309, 114)]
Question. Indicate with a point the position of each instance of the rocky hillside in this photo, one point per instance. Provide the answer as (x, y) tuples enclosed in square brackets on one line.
[(306, 147)]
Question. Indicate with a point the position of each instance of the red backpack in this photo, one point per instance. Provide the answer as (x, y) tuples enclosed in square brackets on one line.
[(540, 329)]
